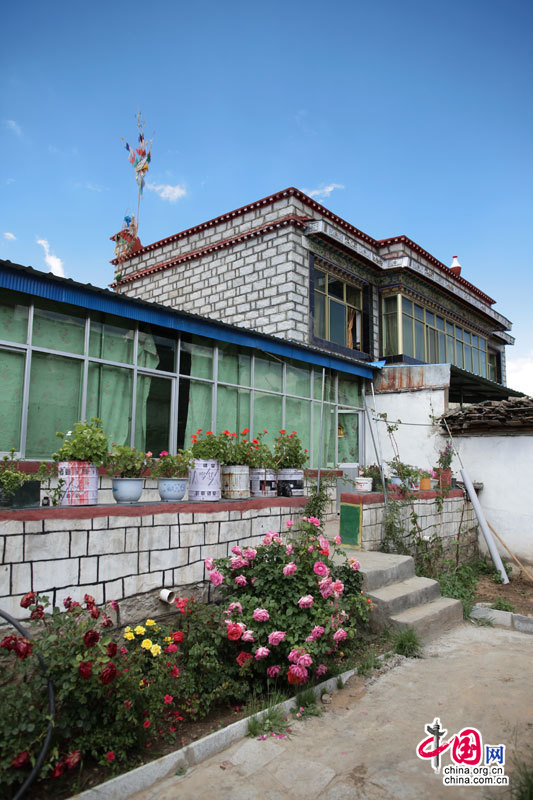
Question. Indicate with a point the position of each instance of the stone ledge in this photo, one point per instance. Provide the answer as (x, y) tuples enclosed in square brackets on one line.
[(367, 498)]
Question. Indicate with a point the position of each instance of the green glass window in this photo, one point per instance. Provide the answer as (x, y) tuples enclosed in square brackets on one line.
[(329, 436), (298, 380), (54, 403), (152, 414), (337, 315), (407, 332), (298, 418), (155, 350), (109, 396), (194, 410), (350, 391), (196, 357), (329, 386), (268, 374), (58, 331), (419, 340), (110, 339), (233, 365), (348, 436), (13, 318), (233, 410), (268, 414), (337, 323), (11, 387), (320, 316)]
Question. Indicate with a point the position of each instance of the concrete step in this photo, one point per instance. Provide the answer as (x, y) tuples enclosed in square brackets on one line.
[(397, 597), (430, 619), (382, 569)]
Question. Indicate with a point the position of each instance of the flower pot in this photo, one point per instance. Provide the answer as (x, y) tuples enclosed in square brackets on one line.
[(363, 484), (204, 480), (26, 496), (80, 483), (127, 490), (263, 482), (172, 490), (235, 482), (445, 478), (290, 483), (425, 484)]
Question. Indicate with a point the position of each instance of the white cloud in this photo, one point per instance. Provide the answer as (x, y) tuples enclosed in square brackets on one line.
[(520, 373), (54, 262), (167, 192), (13, 126), (324, 191), (10, 236)]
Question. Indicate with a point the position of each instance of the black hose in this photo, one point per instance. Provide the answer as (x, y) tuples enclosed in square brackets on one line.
[(51, 707)]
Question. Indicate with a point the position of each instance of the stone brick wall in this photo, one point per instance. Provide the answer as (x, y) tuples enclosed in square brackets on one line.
[(127, 554)]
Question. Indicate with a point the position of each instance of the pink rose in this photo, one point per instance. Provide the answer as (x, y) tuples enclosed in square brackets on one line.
[(306, 601), (209, 564), (354, 564), (238, 562), (317, 632), (337, 539), (267, 539), (216, 577), (277, 539), (261, 615), (290, 569), (305, 660), (240, 580), (289, 549), (248, 636), (236, 551), (320, 568), (261, 652), (273, 672), (289, 523), (323, 542), (320, 670), (340, 635), (163, 453), (298, 672), (314, 521), (276, 637), (337, 587), (250, 553), (326, 588), (235, 607)]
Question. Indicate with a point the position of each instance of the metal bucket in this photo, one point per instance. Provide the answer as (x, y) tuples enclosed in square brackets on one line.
[(204, 480), (80, 483), (235, 482), (263, 482), (291, 483)]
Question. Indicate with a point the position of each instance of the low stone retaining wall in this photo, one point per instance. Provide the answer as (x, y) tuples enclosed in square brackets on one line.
[(127, 553), (454, 520)]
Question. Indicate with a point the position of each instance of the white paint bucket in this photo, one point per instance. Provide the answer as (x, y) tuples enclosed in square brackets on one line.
[(263, 482), (204, 480), (80, 483), (291, 483), (235, 482), (363, 484)]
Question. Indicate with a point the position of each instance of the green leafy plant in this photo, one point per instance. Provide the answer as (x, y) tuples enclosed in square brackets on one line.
[(501, 604), (369, 662), (444, 460), (404, 471), (127, 462), (407, 643), (85, 442), (172, 466), (11, 476), (234, 449), (260, 455), (372, 471), (288, 451), (207, 448), (271, 723), (319, 498)]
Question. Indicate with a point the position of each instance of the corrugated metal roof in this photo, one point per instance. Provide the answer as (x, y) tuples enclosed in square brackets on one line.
[(64, 290)]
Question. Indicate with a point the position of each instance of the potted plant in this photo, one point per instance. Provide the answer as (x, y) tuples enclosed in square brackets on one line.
[(263, 475), (17, 487), (83, 450), (403, 474), (127, 466), (426, 476), (204, 474), (289, 458), (235, 472), (374, 472), (172, 473), (444, 461)]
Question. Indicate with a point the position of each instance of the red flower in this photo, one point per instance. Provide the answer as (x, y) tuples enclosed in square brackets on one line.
[(85, 669), (28, 600), (146, 723), (199, 430), (264, 431), (177, 636), (127, 703), (243, 658), (95, 613), (282, 431), (226, 432), (23, 648), (210, 433), (168, 699), (172, 729), (22, 760), (245, 431), (175, 672), (111, 649), (234, 632), (67, 602), (89, 599), (110, 756), (37, 613), (8, 642), (91, 638), (73, 759), (178, 716), (108, 674), (58, 769), (292, 678), (107, 622), (255, 441), (172, 648)]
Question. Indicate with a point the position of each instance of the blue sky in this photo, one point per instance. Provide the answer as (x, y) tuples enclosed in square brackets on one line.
[(419, 114)]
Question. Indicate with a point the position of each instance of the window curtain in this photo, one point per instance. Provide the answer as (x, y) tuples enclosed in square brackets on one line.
[(11, 386)]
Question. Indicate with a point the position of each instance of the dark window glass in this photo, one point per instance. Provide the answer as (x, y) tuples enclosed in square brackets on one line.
[(335, 288), (337, 322)]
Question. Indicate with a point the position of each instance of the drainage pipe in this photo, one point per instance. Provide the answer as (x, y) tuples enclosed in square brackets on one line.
[(483, 525)]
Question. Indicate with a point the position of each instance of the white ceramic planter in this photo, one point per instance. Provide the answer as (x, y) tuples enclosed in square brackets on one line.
[(204, 480), (291, 482), (80, 483), (235, 482), (172, 490), (263, 482), (363, 484), (127, 490)]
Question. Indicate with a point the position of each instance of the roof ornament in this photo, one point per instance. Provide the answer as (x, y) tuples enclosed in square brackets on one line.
[(455, 266), (140, 158)]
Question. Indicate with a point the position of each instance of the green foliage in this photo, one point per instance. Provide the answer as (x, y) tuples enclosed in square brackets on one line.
[(272, 722), (459, 582), (319, 497), (288, 451), (372, 471), (260, 455), (444, 460), (369, 662), (127, 462), (407, 643), (86, 442), (11, 476), (208, 447), (404, 471), (501, 604), (172, 466)]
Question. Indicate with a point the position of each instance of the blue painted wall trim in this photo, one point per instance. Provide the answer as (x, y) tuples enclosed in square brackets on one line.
[(96, 300)]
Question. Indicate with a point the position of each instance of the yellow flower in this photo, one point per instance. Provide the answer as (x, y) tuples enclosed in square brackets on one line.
[(146, 644), (155, 649), (129, 635), (168, 638), (127, 629), (139, 630), (150, 622)]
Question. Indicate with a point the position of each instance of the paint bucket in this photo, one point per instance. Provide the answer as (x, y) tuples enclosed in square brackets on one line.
[(80, 483), (363, 484), (263, 482), (204, 480), (235, 482), (291, 483)]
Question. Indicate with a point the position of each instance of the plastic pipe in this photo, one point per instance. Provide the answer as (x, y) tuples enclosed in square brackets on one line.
[(167, 596), (484, 527)]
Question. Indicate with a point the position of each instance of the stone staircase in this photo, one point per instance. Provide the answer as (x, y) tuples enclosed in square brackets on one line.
[(403, 600)]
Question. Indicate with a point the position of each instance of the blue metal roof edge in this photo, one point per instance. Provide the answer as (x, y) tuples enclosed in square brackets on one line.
[(13, 278)]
